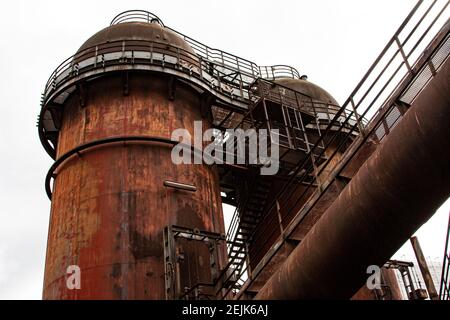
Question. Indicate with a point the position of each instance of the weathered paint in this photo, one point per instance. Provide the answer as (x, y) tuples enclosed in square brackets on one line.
[(389, 290), (397, 190), (109, 205), (291, 202), (426, 275)]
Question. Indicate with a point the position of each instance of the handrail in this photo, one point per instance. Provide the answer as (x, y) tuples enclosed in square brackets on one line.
[(136, 16), (348, 102), (97, 51), (212, 54), (71, 66), (278, 71), (232, 81), (373, 93), (225, 82), (229, 61)]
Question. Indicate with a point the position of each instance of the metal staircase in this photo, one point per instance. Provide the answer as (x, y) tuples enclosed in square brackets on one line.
[(247, 216), (384, 94), (241, 94), (411, 285)]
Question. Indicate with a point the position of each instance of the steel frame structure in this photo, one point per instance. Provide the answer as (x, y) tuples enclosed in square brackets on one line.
[(406, 268), (241, 91), (385, 105)]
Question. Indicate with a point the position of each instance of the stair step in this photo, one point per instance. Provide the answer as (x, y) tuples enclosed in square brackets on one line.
[(236, 259), (260, 197), (255, 206), (247, 227), (249, 217), (252, 222), (245, 223), (254, 215), (253, 209)]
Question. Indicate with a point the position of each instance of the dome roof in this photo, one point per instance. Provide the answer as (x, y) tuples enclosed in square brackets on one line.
[(137, 31), (308, 88)]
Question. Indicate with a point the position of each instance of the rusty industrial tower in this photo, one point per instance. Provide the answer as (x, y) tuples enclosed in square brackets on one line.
[(350, 190)]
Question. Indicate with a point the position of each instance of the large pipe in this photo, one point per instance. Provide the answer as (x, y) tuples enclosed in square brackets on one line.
[(397, 190)]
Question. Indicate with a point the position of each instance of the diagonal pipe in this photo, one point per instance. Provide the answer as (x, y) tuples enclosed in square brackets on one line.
[(396, 191)]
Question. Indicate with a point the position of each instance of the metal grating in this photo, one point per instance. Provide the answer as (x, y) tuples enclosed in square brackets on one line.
[(427, 72)]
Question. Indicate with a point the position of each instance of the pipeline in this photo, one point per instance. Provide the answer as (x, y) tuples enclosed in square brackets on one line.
[(396, 191)]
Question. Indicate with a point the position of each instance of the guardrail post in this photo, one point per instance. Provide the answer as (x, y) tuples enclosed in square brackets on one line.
[(151, 53), (178, 59), (96, 54), (357, 117), (241, 86), (123, 51), (402, 52), (54, 82), (200, 59)]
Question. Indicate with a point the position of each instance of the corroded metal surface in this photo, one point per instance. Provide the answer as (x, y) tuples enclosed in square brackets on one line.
[(269, 230), (136, 31), (110, 206), (385, 197), (426, 275), (389, 289), (310, 89), (391, 282)]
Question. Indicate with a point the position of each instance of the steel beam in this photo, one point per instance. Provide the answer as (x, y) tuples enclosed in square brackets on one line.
[(392, 195)]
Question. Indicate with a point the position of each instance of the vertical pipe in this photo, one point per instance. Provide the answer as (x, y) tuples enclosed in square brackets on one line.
[(424, 269)]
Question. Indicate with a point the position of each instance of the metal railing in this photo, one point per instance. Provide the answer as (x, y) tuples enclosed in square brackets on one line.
[(223, 72), (227, 76), (136, 16), (211, 54), (386, 82), (323, 111), (278, 71), (444, 289), (225, 63), (238, 64)]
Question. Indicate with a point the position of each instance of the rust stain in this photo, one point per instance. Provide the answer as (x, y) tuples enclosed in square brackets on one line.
[(109, 206)]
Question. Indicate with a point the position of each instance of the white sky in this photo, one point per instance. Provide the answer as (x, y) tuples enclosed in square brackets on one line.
[(333, 42)]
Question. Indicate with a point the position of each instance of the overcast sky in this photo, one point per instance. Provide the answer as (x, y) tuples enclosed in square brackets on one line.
[(333, 42)]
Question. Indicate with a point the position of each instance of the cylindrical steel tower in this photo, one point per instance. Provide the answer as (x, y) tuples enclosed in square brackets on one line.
[(109, 129), (121, 208)]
